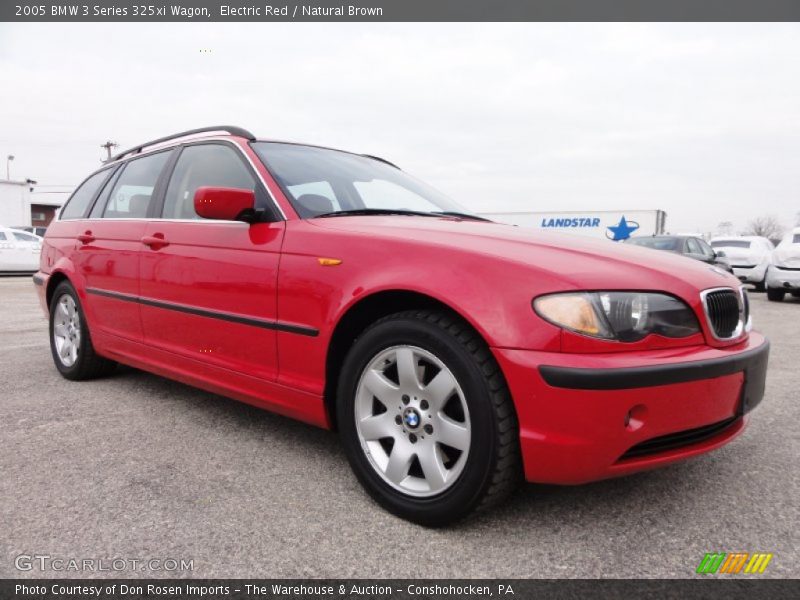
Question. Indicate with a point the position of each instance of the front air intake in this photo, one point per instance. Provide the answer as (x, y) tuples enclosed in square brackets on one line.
[(680, 439)]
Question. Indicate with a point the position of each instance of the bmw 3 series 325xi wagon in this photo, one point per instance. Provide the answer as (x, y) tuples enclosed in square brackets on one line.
[(454, 355)]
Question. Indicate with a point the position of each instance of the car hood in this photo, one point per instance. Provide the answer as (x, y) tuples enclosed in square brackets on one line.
[(787, 255), (578, 262)]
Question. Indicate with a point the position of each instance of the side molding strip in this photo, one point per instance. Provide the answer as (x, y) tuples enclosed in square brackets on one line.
[(211, 314)]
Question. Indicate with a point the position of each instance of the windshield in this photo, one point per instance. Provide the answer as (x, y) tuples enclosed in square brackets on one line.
[(730, 244), (319, 181), (659, 243)]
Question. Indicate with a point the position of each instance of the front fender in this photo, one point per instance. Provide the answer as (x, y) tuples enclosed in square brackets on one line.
[(494, 298)]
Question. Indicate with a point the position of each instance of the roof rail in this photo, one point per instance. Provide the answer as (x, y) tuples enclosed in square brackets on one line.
[(383, 160), (231, 129)]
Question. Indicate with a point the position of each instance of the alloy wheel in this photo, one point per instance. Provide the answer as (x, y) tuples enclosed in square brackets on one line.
[(412, 421), (67, 330)]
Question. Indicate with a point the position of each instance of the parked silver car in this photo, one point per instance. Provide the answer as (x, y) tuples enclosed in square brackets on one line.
[(687, 245), (783, 274), (749, 256)]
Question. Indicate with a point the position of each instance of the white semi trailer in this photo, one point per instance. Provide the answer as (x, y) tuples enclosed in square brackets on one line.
[(616, 225)]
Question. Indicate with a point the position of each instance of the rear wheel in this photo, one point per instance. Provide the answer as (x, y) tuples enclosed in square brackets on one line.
[(776, 295), (70, 342), (761, 285), (427, 419)]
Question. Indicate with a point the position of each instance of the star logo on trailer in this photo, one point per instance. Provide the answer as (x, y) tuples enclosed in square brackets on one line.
[(622, 230)]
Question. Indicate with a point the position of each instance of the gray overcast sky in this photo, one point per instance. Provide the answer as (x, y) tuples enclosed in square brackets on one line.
[(701, 120)]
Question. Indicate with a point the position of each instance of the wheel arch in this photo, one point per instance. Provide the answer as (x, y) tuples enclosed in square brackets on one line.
[(52, 283), (361, 315)]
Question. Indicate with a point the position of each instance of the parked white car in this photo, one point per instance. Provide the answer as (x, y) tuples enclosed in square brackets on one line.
[(749, 256), (784, 271), (19, 251)]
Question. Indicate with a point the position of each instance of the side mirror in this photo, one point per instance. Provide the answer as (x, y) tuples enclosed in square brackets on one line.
[(225, 204)]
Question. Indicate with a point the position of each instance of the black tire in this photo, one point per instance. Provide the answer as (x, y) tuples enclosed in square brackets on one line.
[(775, 295), (761, 286), (492, 468), (88, 364), (796, 294)]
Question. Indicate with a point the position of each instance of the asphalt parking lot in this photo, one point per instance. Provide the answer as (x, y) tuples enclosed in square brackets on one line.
[(137, 466)]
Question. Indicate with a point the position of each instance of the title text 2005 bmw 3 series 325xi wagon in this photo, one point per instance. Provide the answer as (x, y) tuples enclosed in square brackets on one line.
[(454, 355)]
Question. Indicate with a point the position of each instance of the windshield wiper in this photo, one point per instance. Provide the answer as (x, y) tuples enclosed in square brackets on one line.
[(461, 215), (399, 211), (375, 211)]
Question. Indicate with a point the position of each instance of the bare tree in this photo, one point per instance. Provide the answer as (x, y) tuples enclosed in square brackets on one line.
[(725, 228), (768, 226)]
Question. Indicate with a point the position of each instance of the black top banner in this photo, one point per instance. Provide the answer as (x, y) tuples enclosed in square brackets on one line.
[(399, 10)]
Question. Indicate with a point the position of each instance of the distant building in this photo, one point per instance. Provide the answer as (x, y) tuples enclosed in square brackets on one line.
[(21, 206)]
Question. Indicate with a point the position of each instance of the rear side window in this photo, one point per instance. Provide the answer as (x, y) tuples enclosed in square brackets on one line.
[(730, 244), (796, 238), (79, 202), (209, 165), (3, 236), (25, 237), (657, 243), (133, 189)]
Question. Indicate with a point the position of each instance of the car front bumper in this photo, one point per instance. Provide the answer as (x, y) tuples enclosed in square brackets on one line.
[(585, 417), (788, 279)]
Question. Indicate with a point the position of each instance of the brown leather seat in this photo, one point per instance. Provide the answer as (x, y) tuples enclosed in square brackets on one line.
[(137, 207), (311, 205)]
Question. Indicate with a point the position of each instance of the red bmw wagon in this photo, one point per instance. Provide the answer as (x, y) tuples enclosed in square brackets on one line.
[(454, 355)]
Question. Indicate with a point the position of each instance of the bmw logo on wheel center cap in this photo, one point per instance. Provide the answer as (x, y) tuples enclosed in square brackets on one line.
[(411, 418)]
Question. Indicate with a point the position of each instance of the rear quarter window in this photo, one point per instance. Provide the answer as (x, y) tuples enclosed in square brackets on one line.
[(83, 196)]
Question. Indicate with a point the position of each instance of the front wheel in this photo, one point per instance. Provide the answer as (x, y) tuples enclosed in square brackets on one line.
[(70, 342), (427, 419), (775, 295)]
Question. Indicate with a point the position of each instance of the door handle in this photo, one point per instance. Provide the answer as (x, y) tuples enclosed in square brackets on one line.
[(86, 238), (155, 241)]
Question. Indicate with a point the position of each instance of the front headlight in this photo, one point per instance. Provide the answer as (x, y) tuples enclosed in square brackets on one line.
[(621, 316)]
